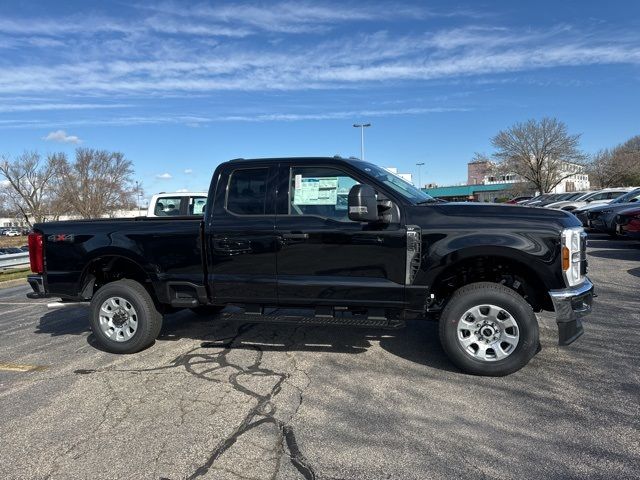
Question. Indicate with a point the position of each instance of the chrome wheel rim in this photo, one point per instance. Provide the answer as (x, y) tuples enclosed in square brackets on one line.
[(118, 319), (488, 333)]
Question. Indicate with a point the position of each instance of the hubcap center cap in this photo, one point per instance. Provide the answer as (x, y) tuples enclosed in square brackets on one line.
[(488, 331), (120, 317)]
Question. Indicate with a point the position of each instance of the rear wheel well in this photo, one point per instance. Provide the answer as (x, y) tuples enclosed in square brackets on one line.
[(104, 270), (510, 273)]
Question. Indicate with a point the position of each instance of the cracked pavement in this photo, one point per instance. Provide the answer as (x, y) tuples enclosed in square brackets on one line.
[(218, 399)]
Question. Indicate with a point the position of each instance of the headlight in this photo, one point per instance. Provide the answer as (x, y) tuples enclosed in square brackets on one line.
[(572, 255)]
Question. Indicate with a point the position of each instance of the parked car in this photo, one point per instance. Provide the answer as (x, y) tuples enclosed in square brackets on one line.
[(598, 197), (602, 218), (628, 222), (12, 233), (519, 199), (9, 250), (177, 204), (558, 197), (536, 200), (341, 238)]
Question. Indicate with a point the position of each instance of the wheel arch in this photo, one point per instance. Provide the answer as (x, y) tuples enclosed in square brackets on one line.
[(110, 265), (498, 265)]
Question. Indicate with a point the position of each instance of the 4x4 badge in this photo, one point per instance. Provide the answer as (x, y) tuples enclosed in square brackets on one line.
[(60, 238)]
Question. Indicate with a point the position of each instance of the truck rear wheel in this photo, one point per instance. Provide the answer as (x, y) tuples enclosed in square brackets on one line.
[(488, 329), (124, 318)]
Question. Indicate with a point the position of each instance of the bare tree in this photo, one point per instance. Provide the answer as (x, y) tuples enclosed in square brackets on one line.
[(540, 152), (603, 171), (29, 185), (97, 183), (619, 166), (626, 158)]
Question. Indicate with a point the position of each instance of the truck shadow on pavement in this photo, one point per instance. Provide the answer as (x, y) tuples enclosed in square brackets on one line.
[(417, 342)]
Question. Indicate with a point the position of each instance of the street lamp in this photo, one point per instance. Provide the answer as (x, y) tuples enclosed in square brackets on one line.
[(361, 126), (138, 195), (419, 168)]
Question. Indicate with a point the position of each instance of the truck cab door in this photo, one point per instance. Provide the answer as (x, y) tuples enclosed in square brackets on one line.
[(240, 235), (325, 258)]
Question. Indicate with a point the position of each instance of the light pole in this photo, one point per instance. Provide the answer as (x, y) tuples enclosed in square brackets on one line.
[(420, 164), (361, 126), (138, 195)]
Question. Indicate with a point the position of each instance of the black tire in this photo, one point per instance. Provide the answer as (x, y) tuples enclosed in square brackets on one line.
[(477, 294), (149, 319), (207, 310)]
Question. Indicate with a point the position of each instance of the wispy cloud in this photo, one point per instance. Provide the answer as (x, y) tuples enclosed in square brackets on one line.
[(164, 176), (188, 171), (61, 136), (35, 107), (292, 117), (257, 117), (101, 62), (329, 65)]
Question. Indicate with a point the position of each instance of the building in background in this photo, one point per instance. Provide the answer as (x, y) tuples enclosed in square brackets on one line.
[(477, 170), (577, 181), (473, 193), (484, 184)]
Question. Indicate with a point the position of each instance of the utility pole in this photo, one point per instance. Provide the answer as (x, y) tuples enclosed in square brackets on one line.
[(420, 164), (361, 126), (138, 196)]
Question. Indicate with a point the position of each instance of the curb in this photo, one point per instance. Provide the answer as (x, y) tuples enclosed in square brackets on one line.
[(13, 283)]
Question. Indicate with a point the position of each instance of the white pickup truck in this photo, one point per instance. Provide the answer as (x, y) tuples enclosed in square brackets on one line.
[(177, 204)]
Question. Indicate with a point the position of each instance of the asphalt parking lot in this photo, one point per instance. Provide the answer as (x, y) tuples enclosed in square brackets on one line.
[(213, 399)]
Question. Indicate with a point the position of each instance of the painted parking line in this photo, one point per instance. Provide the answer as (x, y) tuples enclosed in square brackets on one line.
[(17, 367), (22, 303)]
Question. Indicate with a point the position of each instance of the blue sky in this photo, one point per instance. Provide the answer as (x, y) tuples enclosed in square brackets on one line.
[(179, 87)]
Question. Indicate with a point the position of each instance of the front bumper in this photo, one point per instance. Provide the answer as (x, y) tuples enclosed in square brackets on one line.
[(570, 305)]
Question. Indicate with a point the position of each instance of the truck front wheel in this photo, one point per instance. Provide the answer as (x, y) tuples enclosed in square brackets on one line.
[(124, 318), (488, 329)]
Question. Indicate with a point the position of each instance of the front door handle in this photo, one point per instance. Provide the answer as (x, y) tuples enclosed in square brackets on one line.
[(295, 236)]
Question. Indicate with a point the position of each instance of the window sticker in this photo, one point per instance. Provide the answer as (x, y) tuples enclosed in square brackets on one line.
[(315, 191)]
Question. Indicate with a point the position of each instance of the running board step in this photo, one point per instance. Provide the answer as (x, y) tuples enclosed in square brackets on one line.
[(376, 322)]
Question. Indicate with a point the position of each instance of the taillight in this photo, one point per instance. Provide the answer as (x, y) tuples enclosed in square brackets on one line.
[(36, 253)]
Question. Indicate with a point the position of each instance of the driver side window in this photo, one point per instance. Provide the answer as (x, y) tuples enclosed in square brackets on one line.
[(320, 191)]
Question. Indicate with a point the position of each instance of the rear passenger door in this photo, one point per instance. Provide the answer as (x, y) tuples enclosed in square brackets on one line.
[(242, 241)]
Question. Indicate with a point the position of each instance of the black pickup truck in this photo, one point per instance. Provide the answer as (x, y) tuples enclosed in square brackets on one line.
[(329, 241)]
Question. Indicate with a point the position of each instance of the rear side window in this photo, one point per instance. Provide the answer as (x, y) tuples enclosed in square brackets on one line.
[(196, 205), (168, 206), (247, 191)]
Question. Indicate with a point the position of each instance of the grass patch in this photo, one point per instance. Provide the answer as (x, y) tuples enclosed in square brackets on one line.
[(13, 241), (14, 274)]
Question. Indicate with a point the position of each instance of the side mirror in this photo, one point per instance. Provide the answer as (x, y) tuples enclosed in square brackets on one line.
[(363, 204)]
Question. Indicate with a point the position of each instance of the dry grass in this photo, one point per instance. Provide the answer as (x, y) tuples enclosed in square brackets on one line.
[(13, 274), (13, 241)]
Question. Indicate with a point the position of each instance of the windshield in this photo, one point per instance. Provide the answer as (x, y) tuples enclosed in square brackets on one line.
[(396, 183), (628, 197)]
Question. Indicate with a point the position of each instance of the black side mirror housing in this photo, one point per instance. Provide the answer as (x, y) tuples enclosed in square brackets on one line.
[(363, 204)]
